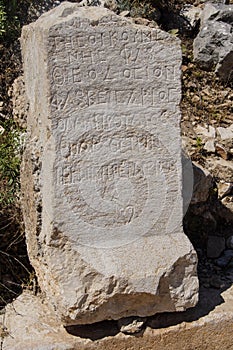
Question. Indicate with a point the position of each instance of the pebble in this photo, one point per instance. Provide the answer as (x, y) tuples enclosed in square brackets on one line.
[(209, 146), (208, 132), (224, 188), (221, 151), (124, 13), (195, 99), (131, 325), (225, 133)]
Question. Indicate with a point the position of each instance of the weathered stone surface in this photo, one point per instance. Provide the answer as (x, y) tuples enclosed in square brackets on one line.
[(203, 183), (220, 168), (205, 133), (131, 325), (213, 46), (221, 151), (29, 324), (20, 104), (224, 188), (226, 134), (101, 176), (210, 146), (191, 14)]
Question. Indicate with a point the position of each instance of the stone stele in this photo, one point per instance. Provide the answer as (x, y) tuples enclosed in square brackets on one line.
[(101, 175)]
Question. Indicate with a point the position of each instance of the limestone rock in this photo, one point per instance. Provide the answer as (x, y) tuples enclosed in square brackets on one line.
[(110, 4), (30, 324), (131, 325), (191, 14), (213, 46), (225, 133), (205, 133), (210, 146), (224, 188), (209, 12), (220, 168), (221, 151), (203, 182), (206, 51), (101, 176), (224, 67)]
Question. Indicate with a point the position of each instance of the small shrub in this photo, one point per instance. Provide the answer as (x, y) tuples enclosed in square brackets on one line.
[(199, 143), (12, 16), (146, 9), (9, 164)]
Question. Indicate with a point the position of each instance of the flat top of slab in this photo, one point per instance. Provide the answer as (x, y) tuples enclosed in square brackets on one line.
[(68, 11)]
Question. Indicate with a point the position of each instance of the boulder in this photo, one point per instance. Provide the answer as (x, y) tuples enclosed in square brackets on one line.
[(213, 46)]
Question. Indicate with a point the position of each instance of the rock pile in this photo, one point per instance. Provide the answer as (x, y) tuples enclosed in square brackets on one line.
[(213, 46)]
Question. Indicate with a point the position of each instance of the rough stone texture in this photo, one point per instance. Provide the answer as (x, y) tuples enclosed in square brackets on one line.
[(101, 176), (30, 325), (203, 183), (213, 46), (220, 168), (210, 146), (191, 14), (131, 325), (224, 188), (37, 8), (20, 104), (226, 134)]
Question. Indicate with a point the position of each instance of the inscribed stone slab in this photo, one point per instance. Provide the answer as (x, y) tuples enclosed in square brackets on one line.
[(101, 176)]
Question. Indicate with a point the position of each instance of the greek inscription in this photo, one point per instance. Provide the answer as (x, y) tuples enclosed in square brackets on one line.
[(73, 99), (109, 72), (58, 76)]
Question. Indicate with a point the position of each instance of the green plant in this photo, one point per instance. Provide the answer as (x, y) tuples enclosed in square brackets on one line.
[(12, 15), (137, 8), (9, 164), (174, 32), (199, 143)]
